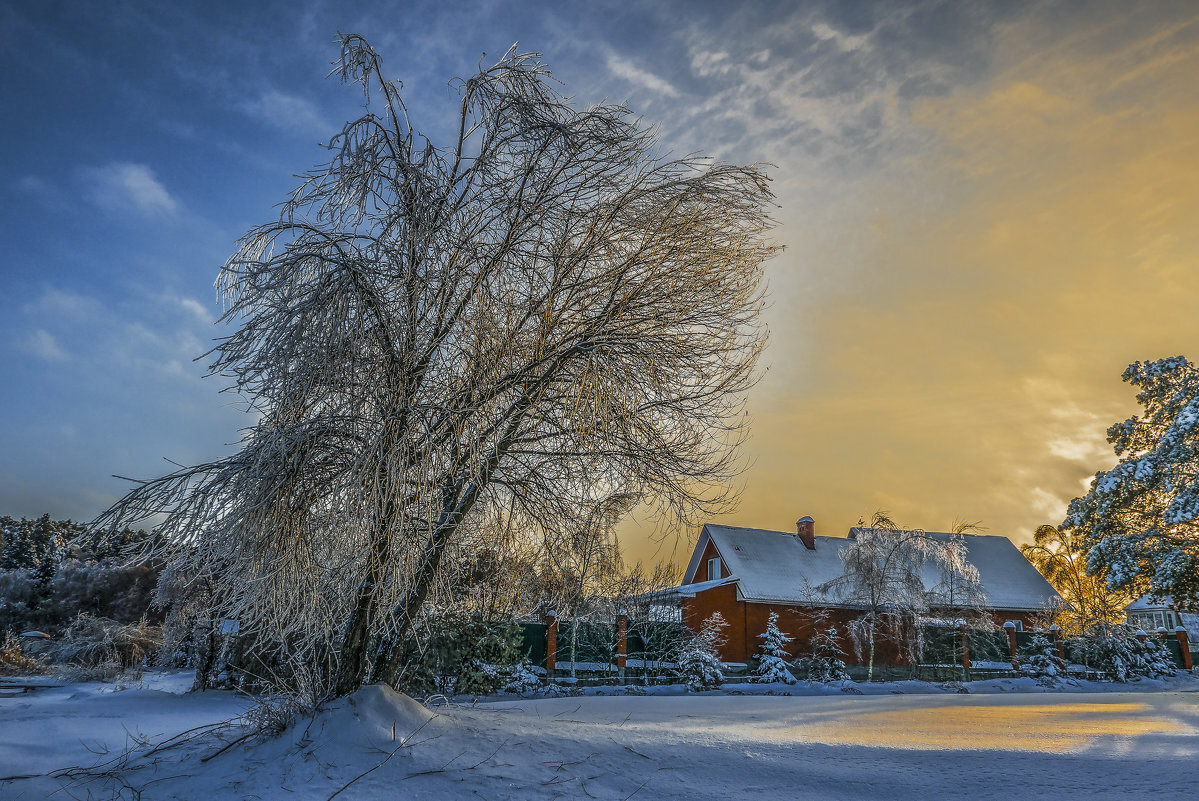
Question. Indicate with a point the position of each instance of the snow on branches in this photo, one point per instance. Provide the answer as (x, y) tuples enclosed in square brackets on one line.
[(772, 654), (439, 342), (699, 664), (1140, 520)]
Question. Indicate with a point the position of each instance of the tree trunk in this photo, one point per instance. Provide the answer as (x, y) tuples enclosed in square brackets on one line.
[(574, 639), (870, 664), (354, 647)]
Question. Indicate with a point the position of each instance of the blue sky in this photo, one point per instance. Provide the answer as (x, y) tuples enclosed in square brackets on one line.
[(935, 346)]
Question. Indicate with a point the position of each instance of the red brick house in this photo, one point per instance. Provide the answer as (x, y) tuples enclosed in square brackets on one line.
[(747, 573)]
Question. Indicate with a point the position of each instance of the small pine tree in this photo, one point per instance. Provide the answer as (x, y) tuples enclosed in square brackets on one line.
[(699, 665), (522, 680), (826, 664), (1154, 660), (487, 649), (1042, 662), (772, 654)]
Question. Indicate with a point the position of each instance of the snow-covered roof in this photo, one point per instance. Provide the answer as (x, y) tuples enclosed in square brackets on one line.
[(1149, 602), (774, 566)]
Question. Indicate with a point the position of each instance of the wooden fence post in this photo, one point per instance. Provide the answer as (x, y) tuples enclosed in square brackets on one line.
[(1181, 634), (1055, 631), (551, 642), (965, 648), (1013, 651), (622, 643)]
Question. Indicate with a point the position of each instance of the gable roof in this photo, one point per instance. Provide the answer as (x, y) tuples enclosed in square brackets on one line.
[(773, 566)]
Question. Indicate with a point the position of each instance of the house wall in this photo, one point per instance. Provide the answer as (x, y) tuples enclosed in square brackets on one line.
[(748, 619), (723, 600), (701, 572)]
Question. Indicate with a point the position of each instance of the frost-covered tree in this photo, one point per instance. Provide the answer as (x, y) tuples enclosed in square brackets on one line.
[(1059, 555), (1140, 520), (882, 570), (1121, 654), (434, 340), (586, 561), (699, 662), (1041, 661), (772, 656), (827, 662)]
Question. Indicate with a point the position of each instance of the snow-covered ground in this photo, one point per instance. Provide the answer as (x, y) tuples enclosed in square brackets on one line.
[(1005, 739)]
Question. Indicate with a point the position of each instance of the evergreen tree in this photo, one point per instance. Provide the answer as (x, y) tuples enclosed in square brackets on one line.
[(46, 544), (827, 664), (1140, 520), (18, 547), (1118, 652), (772, 656), (1042, 662)]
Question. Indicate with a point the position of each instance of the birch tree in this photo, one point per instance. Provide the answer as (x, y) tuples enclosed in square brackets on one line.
[(1059, 554), (586, 562), (882, 574), (542, 309)]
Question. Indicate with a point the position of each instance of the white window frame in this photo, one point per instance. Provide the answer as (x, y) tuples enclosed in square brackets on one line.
[(1018, 623), (714, 562)]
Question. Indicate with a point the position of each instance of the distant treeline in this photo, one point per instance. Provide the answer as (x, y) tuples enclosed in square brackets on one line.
[(53, 570)]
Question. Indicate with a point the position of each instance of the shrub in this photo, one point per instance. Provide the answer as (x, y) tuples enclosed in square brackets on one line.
[(105, 645), (1117, 652), (463, 656), (1041, 661), (698, 665), (14, 662), (522, 679)]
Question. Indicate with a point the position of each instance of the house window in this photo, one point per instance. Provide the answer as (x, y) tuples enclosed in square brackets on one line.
[(1152, 621), (714, 569), (1019, 624)]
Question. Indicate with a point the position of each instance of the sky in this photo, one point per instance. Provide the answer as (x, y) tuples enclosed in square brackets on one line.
[(989, 210)]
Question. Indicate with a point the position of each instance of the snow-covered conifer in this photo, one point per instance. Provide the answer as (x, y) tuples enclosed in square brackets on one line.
[(1042, 662), (1140, 520), (1121, 654), (772, 656), (826, 665)]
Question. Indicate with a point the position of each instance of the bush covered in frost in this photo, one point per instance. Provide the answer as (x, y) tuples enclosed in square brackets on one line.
[(1041, 661), (522, 679), (100, 648), (698, 665), (1121, 655)]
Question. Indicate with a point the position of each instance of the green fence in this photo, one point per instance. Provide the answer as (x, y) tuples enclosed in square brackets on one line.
[(595, 643), (1175, 648), (943, 646)]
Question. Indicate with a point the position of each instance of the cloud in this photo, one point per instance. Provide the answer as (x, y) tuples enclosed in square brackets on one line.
[(128, 186), (41, 343), (196, 309), (62, 303), (288, 112), (827, 33), (625, 69), (42, 191)]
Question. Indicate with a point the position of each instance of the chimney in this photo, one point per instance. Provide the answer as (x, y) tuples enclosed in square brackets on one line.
[(805, 528)]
